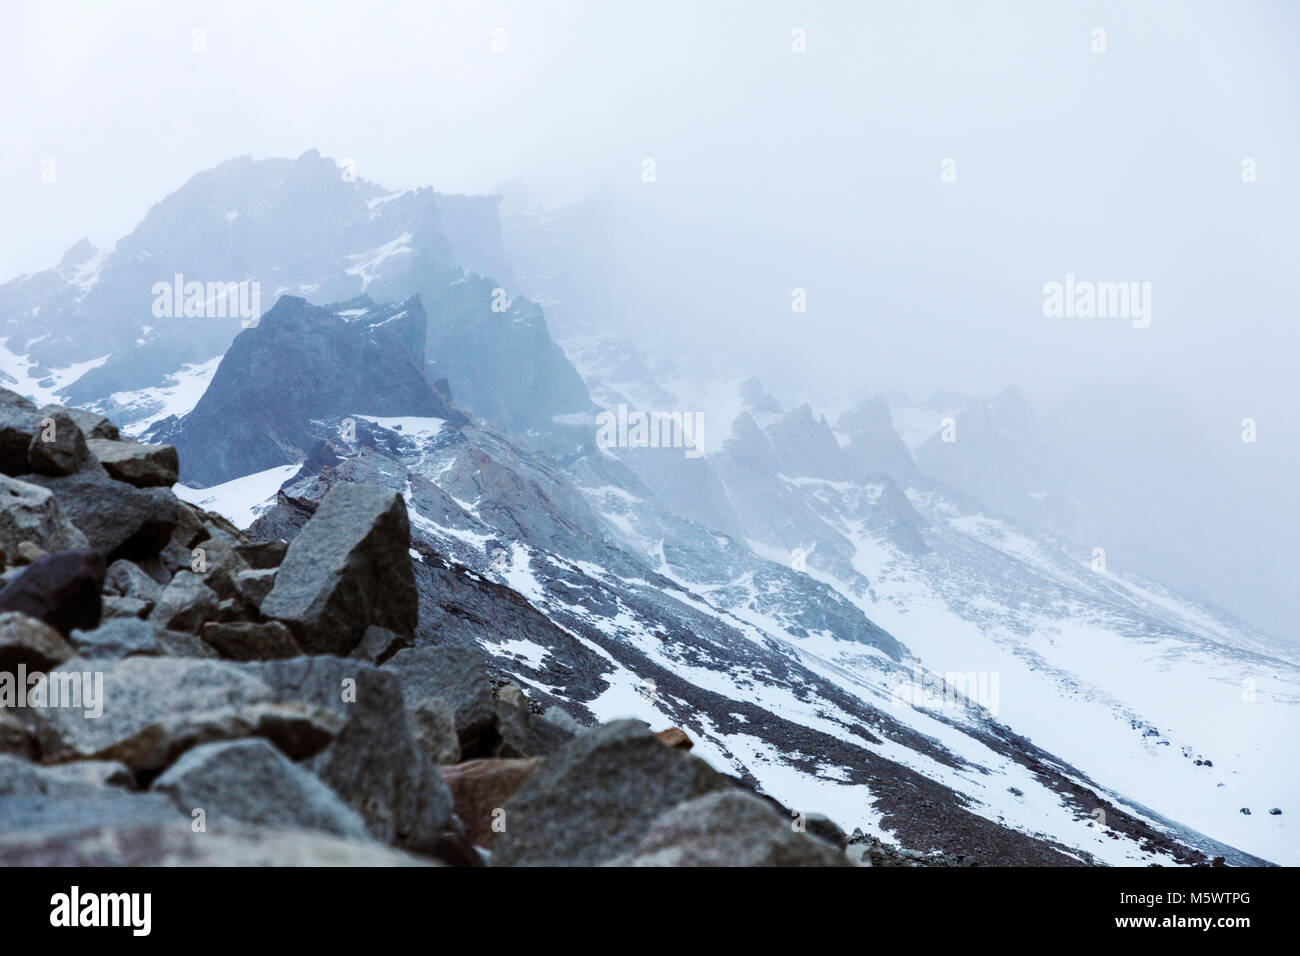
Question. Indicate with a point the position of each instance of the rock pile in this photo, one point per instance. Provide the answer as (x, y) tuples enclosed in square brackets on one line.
[(172, 691)]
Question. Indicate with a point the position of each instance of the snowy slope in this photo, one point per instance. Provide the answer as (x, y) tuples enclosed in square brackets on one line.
[(704, 634)]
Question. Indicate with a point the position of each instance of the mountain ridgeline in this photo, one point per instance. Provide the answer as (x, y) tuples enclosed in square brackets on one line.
[(89, 331)]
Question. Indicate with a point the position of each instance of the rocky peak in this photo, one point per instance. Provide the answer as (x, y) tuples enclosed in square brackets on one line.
[(756, 399), (805, 446), (873, 442), (299, 364)]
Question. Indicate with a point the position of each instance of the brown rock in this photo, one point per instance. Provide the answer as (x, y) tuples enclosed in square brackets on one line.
[(246, 641), (481, 787), (25, 640), (26, 553), (675, 737), (145, 466)]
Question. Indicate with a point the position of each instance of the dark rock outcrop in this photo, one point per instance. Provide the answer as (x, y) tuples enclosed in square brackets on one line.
[(728, 828), (593, 800), (302, 363), (350, 568), (116, 518), (31, 514), (457, 676), (145, 466), (58, 447), (61, 589), (250, 781)]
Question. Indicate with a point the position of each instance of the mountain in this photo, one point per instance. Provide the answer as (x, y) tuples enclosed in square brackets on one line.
[(844, 611), (87, 332), (299, 363), (1181, 474), (872, 442), (1152, 692), (577, 581)]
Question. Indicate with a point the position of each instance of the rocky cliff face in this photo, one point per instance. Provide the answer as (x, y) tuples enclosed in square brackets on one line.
[(302, 363)]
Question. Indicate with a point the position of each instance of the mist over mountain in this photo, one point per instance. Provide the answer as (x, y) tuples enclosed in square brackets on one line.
[(724, 400), (805, 530)]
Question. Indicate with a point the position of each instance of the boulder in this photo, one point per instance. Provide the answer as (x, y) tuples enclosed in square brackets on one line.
[(349, 568), (378, 645), (11, 399), (58, 447), (559, 717), (125, 578), (164, 844), (460, 677), (595, 798), (512, 722), (675, 737), (434, 725), (118, 638), (47, 800), (19, 423), (164, 565), (115, 607), (263, 555), (92, 424), (117, 518), (255, 585), (26, 553), (189, 530), (33, 643), (184, 644), (251, 641), (728, 828), (218, 551), (145, 466), (44, 818), (61, 589), (156, 708), (824, 828), (18, 778), (373, 763), (250, 781), (186, 604), (519, 733), (481, 788), (31, 514)]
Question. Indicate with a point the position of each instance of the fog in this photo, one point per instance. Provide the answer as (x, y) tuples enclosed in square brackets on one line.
[(774, 169)]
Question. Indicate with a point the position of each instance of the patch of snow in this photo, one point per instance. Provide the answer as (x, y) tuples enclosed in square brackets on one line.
[(417, 428), (240, 500), (178, 395), (19, 367), (368, 269)]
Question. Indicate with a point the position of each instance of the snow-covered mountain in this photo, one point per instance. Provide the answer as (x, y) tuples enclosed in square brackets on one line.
[(833, 609), (87, 331), (1152, 693)]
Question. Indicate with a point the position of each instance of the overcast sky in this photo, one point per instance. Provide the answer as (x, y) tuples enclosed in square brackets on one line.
[(775, 169)]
